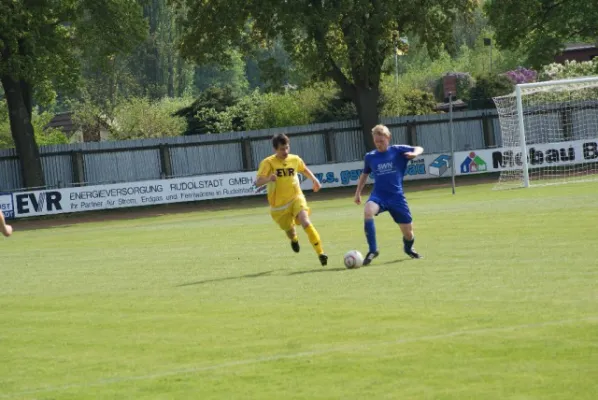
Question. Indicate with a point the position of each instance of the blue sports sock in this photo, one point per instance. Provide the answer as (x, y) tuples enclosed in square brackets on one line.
[(370, 234)]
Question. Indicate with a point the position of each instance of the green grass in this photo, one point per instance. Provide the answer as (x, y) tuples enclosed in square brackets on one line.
[(214, 304)]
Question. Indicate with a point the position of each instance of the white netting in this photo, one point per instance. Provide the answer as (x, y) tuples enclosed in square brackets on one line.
[(561, 134)]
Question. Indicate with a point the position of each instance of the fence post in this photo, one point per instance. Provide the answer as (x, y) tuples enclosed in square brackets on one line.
[(412, 133), (246, 154), (330, 145), (488, 131), (165, 161), (78, 167)]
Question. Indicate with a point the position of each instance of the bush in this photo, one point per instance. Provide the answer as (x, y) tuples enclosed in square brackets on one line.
[(236, 117), (398, 100), (204, 114), (522, 75), (419, 102), (569, 69), (90, 119), (487, 87), (319, 103), (217, 111), (277, 110), (327, 103), (142, 118)]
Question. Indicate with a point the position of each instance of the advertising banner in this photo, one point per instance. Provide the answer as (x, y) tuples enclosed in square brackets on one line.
[(238, 184)]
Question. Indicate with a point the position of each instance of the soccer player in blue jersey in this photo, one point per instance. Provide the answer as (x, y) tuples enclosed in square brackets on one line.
[(388, 164)]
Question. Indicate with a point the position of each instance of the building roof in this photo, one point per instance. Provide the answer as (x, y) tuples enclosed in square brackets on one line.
[(579, 46), (64, 122)]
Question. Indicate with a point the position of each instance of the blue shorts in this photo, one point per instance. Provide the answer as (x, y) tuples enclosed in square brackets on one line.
[(397, 207)]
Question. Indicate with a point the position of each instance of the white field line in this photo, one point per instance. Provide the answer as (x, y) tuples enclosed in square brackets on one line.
[(277, 357)]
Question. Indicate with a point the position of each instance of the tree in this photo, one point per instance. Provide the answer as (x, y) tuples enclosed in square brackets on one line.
[(346, 40), (541, 28), (41, 45)]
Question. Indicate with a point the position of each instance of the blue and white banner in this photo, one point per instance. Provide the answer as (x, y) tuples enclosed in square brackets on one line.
[(6, 205), (240, 184)]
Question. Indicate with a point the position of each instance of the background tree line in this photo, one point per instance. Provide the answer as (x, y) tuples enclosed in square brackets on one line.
[(150, 68)]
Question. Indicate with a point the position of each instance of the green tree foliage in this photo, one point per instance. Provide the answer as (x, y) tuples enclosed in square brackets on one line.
[(541, 28), (141, 118), (39, 120), (346, 40), (271, 69), (41, 44), (230, 76)]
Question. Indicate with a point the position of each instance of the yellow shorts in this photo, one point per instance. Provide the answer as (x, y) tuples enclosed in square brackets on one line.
[(287, 218)]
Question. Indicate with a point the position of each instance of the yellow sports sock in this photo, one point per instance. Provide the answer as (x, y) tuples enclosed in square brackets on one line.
[(295, 238), (314, 239)]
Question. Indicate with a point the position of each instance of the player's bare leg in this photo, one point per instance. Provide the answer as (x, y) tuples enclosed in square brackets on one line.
[(292, 234), (408, 240), (369, 212), (313, 235), (4, 227)]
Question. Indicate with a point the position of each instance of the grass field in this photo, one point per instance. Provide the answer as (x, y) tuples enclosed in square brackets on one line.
[(214, 304)]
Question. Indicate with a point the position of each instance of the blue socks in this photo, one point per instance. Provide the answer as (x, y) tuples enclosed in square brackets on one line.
[(370, 234)]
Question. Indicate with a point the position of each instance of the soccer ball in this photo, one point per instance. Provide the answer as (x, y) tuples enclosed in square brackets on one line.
[(353, 259)]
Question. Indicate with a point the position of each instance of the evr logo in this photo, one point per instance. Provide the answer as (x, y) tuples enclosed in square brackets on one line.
[(45, 201)]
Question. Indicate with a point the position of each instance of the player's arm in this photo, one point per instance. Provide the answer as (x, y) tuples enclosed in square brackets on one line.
[(360, 185), (262, 180), (4, 228), (361, 181), (417, 150), (307, 172), (264, 174)]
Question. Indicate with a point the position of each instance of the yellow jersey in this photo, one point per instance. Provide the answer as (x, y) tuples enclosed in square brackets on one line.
[(287, 187)]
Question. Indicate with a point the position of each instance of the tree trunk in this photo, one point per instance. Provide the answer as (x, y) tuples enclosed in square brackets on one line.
[(366, 102), (19, 101), (365, 97), (181, 75), (170, 75)]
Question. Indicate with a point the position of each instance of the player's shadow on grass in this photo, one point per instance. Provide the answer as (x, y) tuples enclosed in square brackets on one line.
[(312, 271), (230, 278), (324, 269), (398, 260)]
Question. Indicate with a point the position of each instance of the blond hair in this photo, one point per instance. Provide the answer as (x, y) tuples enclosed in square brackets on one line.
[(381, 130)]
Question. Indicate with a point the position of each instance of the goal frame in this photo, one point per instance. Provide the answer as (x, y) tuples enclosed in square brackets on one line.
[(519, 104)]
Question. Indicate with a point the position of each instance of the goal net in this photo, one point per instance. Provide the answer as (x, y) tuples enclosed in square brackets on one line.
[(555, 125)]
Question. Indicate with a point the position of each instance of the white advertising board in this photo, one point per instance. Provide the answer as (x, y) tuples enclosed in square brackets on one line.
[(238, 184)]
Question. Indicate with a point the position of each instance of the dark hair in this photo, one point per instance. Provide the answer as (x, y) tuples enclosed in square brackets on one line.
[(279, 139)]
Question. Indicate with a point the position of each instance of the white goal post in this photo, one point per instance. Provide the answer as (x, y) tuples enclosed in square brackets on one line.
[(549, 133)]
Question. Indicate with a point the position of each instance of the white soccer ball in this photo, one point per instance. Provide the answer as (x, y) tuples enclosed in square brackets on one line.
[(353, 259)]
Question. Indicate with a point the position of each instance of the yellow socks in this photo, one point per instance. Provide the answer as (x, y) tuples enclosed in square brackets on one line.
[(314, 239)]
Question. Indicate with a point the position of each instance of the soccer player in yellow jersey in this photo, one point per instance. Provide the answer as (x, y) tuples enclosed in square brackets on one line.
[(287, 202), (5, 229)]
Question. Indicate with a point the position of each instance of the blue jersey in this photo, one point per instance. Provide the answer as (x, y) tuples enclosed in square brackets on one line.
[(388, 169)]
